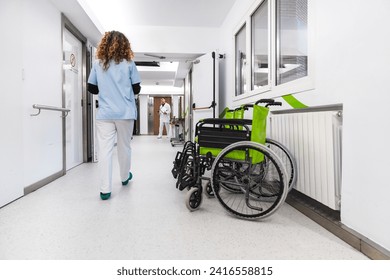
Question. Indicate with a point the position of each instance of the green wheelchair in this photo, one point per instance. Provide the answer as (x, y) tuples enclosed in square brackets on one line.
[(247, 174)]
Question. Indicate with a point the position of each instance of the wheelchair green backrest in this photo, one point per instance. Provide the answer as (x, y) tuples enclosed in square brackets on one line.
[(233, 128)]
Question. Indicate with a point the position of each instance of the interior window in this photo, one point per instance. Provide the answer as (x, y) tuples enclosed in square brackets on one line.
[(260, 47), (291, 34), (241, 61)]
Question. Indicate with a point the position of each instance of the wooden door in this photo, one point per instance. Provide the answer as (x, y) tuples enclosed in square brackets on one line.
[(156, 122)]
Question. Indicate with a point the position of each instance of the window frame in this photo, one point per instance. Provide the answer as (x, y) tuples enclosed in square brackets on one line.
[(237, 88), (267, 87), (272, 90)]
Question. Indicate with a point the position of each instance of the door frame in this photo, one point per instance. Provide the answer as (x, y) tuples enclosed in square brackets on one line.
[(67, 24), (187, 107)]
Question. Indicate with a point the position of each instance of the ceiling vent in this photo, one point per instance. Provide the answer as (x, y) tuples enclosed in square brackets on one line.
[(147, 63)]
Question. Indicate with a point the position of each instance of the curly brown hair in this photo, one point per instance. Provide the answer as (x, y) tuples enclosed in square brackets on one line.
[(114, 46)]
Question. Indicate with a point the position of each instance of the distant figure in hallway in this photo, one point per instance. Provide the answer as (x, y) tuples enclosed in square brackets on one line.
[(114, 76), (165, 115)]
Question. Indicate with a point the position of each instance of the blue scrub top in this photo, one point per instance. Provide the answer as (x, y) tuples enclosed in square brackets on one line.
[(116, 96)]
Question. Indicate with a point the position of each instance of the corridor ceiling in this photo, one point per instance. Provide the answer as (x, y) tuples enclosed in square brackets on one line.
[(126, 14)]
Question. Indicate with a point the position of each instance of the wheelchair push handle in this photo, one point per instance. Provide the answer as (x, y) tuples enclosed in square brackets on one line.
[(233, 110), (275, 103), (268, 101), (265, 100)]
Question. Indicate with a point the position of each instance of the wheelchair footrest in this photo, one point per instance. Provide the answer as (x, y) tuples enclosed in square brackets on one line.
[(177, 164), (186, 182)]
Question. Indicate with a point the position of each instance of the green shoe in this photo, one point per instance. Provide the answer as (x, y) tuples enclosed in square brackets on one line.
[(105, 196), (124, 183)]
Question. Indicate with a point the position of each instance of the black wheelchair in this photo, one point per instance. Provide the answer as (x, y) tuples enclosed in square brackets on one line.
[(250, 175)]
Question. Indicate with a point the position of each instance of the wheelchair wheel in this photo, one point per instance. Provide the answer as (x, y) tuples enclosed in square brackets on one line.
[(193, 199), (288, 160), (247, 187), (228, 171), (208, 190)]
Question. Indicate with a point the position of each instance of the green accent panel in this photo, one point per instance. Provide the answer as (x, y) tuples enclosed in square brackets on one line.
[(257, 157), (239, 113), (222, 115), (237, 155), (229, 115), (259, 125), (293, 102)]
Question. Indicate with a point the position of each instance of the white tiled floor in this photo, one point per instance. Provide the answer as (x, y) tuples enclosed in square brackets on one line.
[(149, 220)]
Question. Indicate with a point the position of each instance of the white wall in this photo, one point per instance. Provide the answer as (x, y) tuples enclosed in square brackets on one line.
[(143, 113), (31, 148), (175, 106), (361, 70), (233, 20), (42, 84), (168, 39), (351, 67), (11, 113)]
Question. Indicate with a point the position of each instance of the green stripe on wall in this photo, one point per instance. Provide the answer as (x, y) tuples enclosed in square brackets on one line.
[(293, 102)]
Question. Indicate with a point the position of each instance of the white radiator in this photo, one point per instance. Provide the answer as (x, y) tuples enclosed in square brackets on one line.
[(315, 140)]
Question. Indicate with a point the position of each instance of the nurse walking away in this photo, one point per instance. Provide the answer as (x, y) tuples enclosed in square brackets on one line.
[(165, 114), (114, 76)]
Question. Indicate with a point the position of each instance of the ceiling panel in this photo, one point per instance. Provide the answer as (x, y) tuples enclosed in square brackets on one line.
[(159, 75), (124, 14), (202, 13)]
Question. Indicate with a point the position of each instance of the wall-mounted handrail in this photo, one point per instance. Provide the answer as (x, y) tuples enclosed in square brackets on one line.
[(203, 108), (51, 108)]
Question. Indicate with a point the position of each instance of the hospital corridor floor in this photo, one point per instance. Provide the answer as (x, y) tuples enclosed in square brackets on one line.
[(148, 220)]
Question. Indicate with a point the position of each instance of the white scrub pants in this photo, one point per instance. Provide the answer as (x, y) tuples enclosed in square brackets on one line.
[(167, 128), (106, 132)]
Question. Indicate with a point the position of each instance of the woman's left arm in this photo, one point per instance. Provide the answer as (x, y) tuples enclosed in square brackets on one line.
[(92, 88)]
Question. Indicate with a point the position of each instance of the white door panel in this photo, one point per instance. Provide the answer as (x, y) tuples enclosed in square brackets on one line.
[(204, 89), (73, 75)]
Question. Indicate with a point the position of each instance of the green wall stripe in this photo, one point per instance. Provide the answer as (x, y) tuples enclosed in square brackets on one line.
[(293, 102)]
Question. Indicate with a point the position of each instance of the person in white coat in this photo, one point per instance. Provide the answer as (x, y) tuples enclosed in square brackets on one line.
[(114, 76), (165, 116)]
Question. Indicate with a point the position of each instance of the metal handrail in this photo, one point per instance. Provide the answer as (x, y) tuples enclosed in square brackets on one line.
[(51, 108), (203, 108)]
